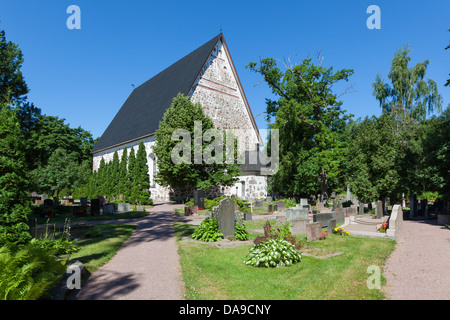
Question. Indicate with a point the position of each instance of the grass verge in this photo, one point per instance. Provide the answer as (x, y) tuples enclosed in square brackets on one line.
[(216, 273)]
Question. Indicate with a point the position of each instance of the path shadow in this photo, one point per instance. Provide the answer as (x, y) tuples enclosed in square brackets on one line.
[(108, 285)]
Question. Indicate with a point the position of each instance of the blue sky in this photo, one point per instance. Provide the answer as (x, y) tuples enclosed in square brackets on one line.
[(85, 75)]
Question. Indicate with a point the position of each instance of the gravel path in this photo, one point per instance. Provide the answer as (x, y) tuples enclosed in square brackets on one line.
[(419, 267), (146, 267)]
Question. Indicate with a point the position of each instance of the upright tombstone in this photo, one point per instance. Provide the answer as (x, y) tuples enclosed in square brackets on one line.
[(280, 205), (313, 231), (258, 204), (296, 213), (83, 201), (199, 198), (95, 207), (379, 209), (361, 208), (270, 208), (412, 206), (226, 217)]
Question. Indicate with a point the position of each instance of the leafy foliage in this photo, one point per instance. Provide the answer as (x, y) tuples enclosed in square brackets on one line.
[(273, 253), (208, 231), (189, 174), (409, 94), (240, 231), (309, 119), (28, 271), (14, 205)]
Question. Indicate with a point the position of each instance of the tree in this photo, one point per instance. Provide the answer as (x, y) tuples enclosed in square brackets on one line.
[(309, 118), (62, 171), (122, 184), (50, 133), (12, 84), (434, 170), (14, 205), (409, 93), (190, 174), (377, 159), (447, 84), (140, 188)]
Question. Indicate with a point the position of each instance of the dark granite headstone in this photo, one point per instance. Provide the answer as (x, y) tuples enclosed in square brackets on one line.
[(199, 198), (95, 207)]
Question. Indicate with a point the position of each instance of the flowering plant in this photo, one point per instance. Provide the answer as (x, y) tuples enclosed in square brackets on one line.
[(323, 235), (382, 227), (340, 231)]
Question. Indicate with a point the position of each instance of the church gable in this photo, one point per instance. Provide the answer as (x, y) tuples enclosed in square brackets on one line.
[(217, 88)]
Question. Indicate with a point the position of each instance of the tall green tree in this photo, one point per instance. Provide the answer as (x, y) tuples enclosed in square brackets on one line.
[(447, 84), (190, 174), (129, 176), (409, 93), (140, 188), (13, 88), (61, 171), (379, 161), (309, 118), (434, 169), (14, 205), (122, 174)]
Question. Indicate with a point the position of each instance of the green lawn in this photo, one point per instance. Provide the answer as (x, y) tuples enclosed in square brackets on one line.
[(216, 273)]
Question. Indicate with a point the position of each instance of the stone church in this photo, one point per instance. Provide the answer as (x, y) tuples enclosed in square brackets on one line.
[(208, 76)]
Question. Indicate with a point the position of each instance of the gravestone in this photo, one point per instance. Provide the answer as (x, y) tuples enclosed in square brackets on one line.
[(199, 198), (412, 206), (48, 203), (303, 201), (299, 227), (123, 207), (109, 209), (296, 213), (83, 201), (313, 231), (331, 226), (280, 205), (270, 208), (247, 216), (339, 216), (334, 204), (258, 204), (95, 207), (140, 208), (226, 217), (323, 218), (379, 209), (267, 228), (361, 208)]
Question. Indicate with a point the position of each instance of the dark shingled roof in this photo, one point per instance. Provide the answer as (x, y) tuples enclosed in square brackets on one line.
[(144, 109)]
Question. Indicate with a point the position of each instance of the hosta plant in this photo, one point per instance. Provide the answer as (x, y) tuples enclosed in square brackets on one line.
[(273, 253), (208, 231)]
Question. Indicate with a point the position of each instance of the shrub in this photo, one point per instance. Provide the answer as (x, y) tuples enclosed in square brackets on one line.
[(208, 231), (28, 271), (273, 253)]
